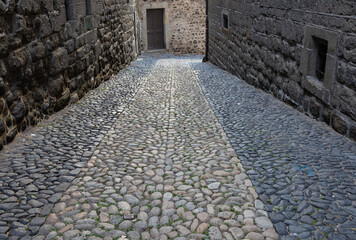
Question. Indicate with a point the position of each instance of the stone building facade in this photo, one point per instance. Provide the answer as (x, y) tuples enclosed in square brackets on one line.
[(183, 25), (302, 52), (53, 51)]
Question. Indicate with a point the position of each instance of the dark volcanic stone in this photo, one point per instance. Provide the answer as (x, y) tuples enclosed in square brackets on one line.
[(61, 187), (281, 228), (7, 206), (2, 126), (2, 86), (18, 232), (276, 217), (38, 221), (18, 111), (339, 124)]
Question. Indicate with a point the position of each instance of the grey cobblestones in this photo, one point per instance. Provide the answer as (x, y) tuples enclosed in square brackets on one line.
[(166, 161), (148, 144), (40, 166), (303, 171), (155, 164)]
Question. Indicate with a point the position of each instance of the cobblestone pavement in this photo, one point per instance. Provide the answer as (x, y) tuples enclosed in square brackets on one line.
[(304, 172), (39, 166), (145, 143)]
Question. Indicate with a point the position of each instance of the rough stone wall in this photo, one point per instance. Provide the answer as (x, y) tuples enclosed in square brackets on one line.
[(269, 44), (188, 26), (53, 51), (185, 21)]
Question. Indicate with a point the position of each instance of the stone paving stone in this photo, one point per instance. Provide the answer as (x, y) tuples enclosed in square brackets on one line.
[(303, 171), (41, 164), (154, 162), (160, 167), (147, 158)]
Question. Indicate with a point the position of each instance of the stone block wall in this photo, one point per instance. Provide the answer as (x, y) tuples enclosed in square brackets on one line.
[(184, 22), (279, 45), (53, 51)]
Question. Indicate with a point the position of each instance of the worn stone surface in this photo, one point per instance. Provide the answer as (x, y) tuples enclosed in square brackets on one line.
[(147, 143), (40, 165), (303, 171), (270, 45), (138, 164), (52, 54)]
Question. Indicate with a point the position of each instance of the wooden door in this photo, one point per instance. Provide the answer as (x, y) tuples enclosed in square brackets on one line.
[(155, 31)]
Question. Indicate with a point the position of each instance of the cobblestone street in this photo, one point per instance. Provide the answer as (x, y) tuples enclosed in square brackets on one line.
[(148, 156)]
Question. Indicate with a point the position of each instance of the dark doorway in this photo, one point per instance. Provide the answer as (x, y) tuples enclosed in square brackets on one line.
[(322, 51), (155, 31)]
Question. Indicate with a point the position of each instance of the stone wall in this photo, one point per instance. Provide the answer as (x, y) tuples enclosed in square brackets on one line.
[(279, 46), (184, 22), (53, 51)]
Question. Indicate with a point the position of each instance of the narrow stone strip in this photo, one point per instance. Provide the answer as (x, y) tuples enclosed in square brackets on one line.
[(211, 174)]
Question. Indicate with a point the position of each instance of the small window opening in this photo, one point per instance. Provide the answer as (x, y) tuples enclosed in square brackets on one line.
[(69, 9), (225, 21), (88, 7), (322, 51)]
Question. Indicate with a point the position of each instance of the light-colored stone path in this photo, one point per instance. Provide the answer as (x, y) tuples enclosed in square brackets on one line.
[(167, 161)]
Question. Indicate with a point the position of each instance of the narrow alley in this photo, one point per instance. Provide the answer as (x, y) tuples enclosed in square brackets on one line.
[(173, 148)]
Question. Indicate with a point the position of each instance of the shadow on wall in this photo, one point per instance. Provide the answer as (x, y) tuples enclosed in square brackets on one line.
[(302, 54), (53, 52)]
